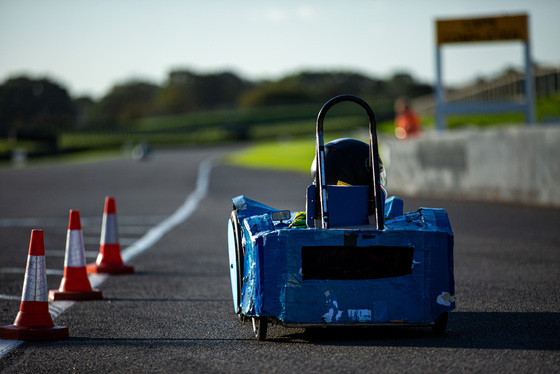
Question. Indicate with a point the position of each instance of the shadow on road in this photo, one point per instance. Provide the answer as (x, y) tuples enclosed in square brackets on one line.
[(476, 330), (466, 330)]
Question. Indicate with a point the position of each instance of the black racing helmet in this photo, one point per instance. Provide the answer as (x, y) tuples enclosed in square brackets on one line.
[(346, 163)]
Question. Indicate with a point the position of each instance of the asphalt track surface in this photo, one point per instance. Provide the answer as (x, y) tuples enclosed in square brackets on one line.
[(175, 313)]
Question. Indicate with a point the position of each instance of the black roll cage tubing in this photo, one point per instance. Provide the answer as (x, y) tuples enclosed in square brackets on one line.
[(375, 208)]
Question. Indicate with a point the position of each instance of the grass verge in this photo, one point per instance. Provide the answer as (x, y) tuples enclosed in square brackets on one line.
[(290, 155)]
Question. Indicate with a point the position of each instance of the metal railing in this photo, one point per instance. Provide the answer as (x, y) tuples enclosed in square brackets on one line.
[(509, 87)]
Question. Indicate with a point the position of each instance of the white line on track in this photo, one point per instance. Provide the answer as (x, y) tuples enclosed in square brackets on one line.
[(22, 271), (86, 221), (62, 253), (140, 246)]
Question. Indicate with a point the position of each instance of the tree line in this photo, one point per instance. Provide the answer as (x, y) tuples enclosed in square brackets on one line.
[(41, 107)]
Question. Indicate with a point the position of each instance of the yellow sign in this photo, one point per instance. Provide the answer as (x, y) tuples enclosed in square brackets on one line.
[(482, 29)]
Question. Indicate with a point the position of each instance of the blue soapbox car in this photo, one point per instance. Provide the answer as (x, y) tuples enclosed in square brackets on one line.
[(357, 259)]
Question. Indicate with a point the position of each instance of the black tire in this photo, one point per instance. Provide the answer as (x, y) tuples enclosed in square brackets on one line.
[(440, 323), (260, 327), (239, 257)]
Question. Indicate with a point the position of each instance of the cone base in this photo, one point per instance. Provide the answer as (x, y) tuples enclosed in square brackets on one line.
[(109, 269), (94, 294), (13, 332)]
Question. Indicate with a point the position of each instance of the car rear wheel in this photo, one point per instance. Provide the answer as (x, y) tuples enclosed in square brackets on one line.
[(260, 327)]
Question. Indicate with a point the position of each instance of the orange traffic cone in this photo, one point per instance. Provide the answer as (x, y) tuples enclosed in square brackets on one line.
[(33, 322), (75, 283), (109, 259)]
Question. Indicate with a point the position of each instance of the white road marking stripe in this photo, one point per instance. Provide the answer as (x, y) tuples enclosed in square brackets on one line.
[(62, 253), (145, 221), (180, 215), (124, 241), (32, 222), (131, 229), (140, 246), (7, 345), (22, 271), (91, 240), (125, 220), (95, 241)]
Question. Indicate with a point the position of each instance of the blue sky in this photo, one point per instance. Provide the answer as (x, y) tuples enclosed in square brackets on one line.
[(88, 46)]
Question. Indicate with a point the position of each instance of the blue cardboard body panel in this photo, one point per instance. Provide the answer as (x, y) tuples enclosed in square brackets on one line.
[(403, 273), (348, 205)]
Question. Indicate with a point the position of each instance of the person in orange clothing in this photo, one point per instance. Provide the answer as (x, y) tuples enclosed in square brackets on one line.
[(407, 123)]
